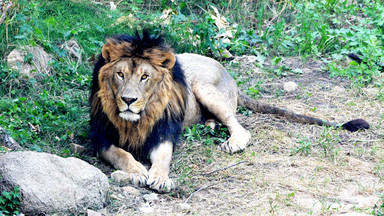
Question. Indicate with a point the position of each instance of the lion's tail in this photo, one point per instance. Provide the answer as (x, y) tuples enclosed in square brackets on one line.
[(256, 106)]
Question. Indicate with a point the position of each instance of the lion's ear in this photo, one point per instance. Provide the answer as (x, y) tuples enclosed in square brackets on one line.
[(107, 50), (113, 50), (163, 59), (169, 60)]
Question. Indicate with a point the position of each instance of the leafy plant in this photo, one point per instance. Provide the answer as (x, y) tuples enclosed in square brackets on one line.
[(10, 202), (304, 148), (329, 141), (210, 136), (379, 210)]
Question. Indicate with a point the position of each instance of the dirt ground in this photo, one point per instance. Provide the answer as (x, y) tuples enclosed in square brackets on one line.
[(288, 168)]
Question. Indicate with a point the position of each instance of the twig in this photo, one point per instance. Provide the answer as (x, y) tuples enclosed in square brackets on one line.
[(205, 174), (277, 15), (200, 189)]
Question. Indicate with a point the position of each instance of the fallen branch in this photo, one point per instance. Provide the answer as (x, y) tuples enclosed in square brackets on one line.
[(200, 189), (205, 174)]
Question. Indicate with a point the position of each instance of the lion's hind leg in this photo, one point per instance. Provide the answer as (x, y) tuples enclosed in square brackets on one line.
[(124, 161), (224, 109)]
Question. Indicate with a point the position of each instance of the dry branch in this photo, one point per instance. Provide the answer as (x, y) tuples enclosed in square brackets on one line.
[(218, 170)]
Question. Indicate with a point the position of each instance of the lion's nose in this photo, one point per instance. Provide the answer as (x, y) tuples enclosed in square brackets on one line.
[(128, 100)]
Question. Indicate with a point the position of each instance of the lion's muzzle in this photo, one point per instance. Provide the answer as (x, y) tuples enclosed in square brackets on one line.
[(128, 100), (130, 116)]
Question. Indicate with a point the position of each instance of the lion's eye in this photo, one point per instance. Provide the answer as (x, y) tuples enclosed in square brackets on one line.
[(144, 77), (120, 74)]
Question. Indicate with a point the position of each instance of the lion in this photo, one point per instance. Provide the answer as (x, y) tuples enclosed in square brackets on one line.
[(143, 95)]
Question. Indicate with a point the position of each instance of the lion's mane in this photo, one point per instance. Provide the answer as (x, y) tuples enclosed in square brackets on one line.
[(162, 118)]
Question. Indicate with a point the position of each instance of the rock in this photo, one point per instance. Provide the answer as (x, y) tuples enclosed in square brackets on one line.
[(49, 183), (30, 61), (73, 48), (183, 207), (93, 213), (77, 149), (131, 191), (7, 141), (151, 198), (290, 86), (5, 6), (245, 60), (338, 90), (146, 208), (120, 177)]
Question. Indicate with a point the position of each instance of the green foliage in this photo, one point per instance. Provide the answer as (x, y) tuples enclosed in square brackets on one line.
[(10, 202), (329, 141), (209, 136), (379, 210), (305, 147)]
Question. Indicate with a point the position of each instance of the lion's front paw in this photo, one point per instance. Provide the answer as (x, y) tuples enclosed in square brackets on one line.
[(159, 181), (236, 144), (138, 174)]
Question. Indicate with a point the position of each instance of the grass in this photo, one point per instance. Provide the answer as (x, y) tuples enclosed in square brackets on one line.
[(51, 111)]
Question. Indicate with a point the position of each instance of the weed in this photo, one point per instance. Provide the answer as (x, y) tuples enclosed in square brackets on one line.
[(380, 169), (305, 147), (379, 210), (329, 140), (256, 90), (244, 111), (10, 202), (198, 132)]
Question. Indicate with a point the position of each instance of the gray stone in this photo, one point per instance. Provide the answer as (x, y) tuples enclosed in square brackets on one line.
[(49, 183), (183, 207), (151, 198), (7, 141), (120, 177), (290, 86), (77, 149), (146, 208), (73, 48), (131, 191), (39, 63)]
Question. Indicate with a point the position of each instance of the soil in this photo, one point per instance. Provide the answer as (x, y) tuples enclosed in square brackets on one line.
[(288, 168)]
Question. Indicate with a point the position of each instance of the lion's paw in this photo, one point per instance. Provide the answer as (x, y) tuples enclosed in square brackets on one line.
[(235, 144), (160, 181), (138, 174)]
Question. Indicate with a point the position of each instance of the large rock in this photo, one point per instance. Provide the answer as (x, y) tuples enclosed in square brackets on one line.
[(30, 61), (49, 183)]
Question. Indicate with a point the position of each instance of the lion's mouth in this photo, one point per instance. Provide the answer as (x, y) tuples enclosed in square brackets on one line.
[(129, 115)]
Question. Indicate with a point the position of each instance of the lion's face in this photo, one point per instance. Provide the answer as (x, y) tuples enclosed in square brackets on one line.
[(137, 86), (133, 82)]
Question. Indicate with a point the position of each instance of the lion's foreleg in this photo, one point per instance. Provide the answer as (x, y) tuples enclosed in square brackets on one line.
[(158, 174), (124, 161)]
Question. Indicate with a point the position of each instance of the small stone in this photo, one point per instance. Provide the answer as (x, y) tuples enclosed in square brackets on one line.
[(93, 213), (151, 198), (131, 191), (120, 177), (290, 86), (183, 207), (77, 149), (338, 90), (146, 208)]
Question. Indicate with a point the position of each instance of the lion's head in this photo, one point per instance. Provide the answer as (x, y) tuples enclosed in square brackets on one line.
[(137, 86)]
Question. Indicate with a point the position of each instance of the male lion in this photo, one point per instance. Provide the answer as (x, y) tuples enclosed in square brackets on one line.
[(143, 95)]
